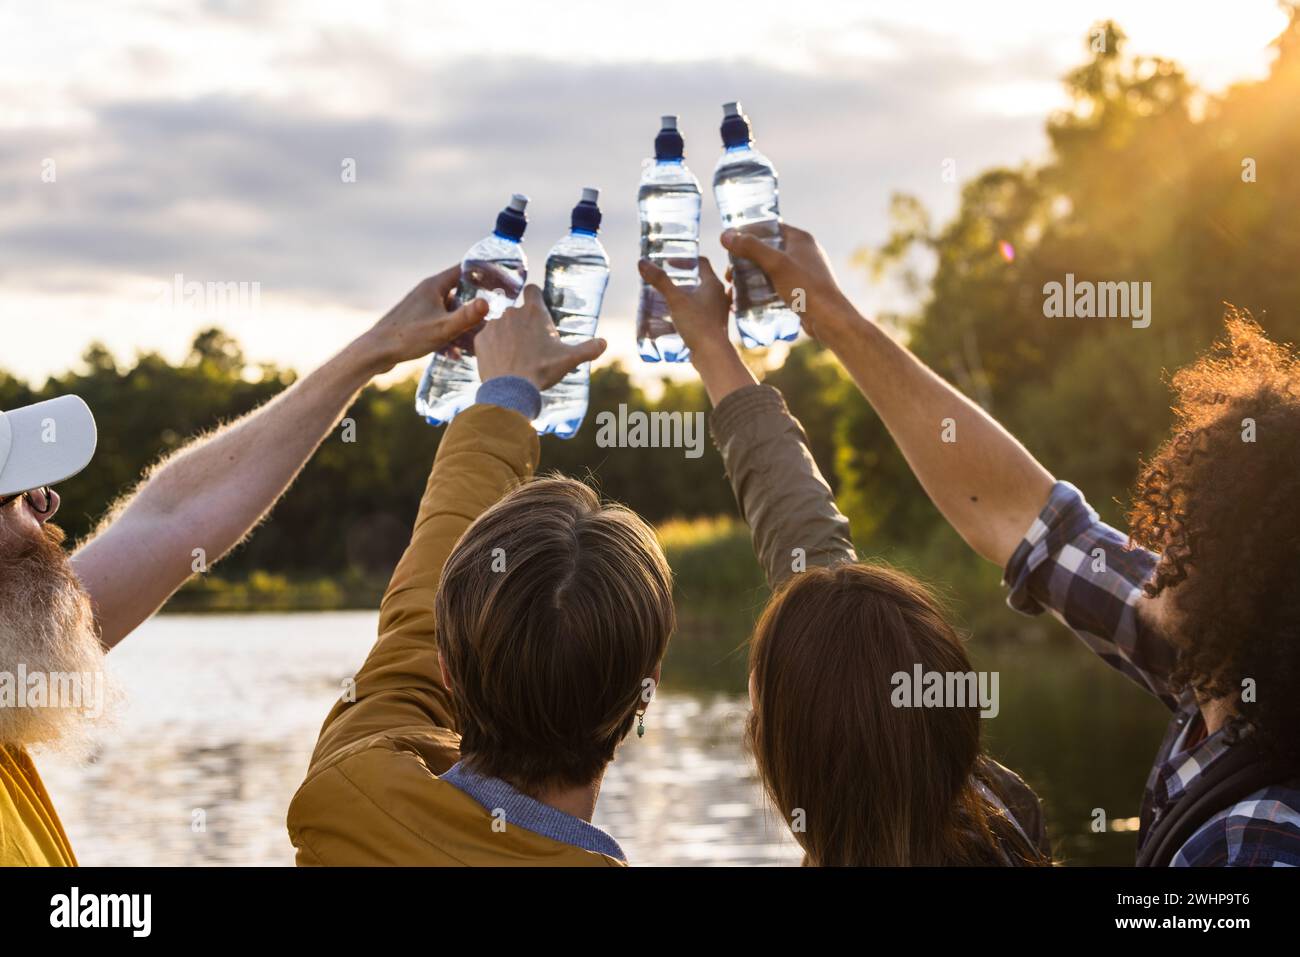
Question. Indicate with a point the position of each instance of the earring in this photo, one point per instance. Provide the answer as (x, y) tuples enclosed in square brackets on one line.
[(640, 724)]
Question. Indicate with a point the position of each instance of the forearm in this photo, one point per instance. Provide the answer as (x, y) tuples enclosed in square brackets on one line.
[(781, 493), (980, 477), (195, 507), (721, 369)]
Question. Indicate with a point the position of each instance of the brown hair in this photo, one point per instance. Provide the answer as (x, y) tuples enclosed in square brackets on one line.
[(1221, 502), (876, 784), (552, 612)]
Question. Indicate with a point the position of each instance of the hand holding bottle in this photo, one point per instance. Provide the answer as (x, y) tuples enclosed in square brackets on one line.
[(802, 277), (577, 271), (524, 342), (700, 316), (668, 201), (745, 186), (493, 270), (423, 322)]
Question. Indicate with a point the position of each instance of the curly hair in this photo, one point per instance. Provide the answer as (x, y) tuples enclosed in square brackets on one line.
[(1220, 502)]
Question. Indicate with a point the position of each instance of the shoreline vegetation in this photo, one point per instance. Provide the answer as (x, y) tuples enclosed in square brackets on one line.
[(716, 574), (719, 592), (711, 558)]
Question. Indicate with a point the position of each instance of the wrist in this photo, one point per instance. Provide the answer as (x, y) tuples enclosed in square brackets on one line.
[(366, 358), (488, 371), (712, 351), (359, 362), (842, 324), (721, 369)]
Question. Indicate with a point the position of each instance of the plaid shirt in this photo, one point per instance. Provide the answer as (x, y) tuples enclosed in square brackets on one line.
[(1085, 573)]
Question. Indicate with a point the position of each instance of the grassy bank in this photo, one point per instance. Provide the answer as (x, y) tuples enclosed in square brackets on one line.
[(262, 592), (711, 558)]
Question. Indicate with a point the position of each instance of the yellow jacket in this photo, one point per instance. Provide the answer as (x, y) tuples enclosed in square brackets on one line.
[(372, 795), (30, 831)]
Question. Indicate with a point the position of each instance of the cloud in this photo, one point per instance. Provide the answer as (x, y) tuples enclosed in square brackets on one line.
[(248, 187)]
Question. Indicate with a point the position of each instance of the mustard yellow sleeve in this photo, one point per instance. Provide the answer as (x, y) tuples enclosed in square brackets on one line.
[(486, 452)]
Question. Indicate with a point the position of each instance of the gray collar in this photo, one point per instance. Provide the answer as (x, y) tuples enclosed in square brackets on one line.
[(531, 815)]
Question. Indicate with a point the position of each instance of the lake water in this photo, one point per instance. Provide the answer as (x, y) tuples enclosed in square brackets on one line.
[(223, 711)]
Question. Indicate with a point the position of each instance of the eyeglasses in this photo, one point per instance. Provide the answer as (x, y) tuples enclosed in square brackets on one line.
[(41, 499)]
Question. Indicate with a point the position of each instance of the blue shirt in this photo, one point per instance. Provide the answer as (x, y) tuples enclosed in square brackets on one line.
[(511, 392), (522, 811)]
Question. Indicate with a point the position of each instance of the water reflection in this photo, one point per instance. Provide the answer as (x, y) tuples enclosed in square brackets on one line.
[(687, 794), (223, 712)]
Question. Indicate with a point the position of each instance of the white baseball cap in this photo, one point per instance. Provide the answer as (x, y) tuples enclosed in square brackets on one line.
[(45, 443)]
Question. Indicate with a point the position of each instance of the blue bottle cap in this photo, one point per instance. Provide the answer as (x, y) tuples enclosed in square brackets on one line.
[(669, 144), (586, 215), (735, 126), (511, 222)]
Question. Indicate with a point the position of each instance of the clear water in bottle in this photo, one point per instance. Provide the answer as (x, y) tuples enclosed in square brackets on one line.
[(669, 205), (745, 186), (577, 271), (494, 269)]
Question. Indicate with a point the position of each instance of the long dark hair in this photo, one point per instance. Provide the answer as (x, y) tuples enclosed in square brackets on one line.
[(860, 781)]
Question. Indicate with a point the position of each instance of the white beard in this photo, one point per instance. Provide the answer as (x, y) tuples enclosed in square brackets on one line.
[(54, 689)]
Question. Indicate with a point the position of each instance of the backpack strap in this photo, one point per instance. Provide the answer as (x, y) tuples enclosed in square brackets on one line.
[(1240, 772)]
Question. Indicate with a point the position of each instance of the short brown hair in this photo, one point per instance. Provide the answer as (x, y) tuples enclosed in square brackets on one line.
[(552, 612), (1220, 501), (876, 784)]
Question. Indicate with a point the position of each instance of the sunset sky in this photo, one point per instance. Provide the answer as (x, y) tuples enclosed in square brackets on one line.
[(206, 139)]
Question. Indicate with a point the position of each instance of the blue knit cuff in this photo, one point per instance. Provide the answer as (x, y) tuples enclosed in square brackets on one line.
[(511, 392)]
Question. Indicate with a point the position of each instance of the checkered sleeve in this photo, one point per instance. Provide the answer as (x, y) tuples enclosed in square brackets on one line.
[(1261, 831), (1084, 572)]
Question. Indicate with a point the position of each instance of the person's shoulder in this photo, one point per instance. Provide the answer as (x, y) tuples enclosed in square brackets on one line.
[(1261, 830), (1020, 800), (376, 763), (363, 797)]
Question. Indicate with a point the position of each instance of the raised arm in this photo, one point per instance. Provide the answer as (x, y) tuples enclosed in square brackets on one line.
[(984, 482), (781, 494), (211, 493), (487, 450)]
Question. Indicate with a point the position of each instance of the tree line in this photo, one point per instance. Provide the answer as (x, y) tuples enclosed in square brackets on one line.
[(1148, 180)]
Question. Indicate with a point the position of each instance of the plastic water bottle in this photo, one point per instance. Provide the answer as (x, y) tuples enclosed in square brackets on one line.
[(494, 269), (577, 271), (669, 204), (744, 184)]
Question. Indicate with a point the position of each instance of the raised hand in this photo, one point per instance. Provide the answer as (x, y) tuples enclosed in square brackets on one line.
[(524, 342), (802, 276), (699, 312), (700, 315), (423, 322)]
